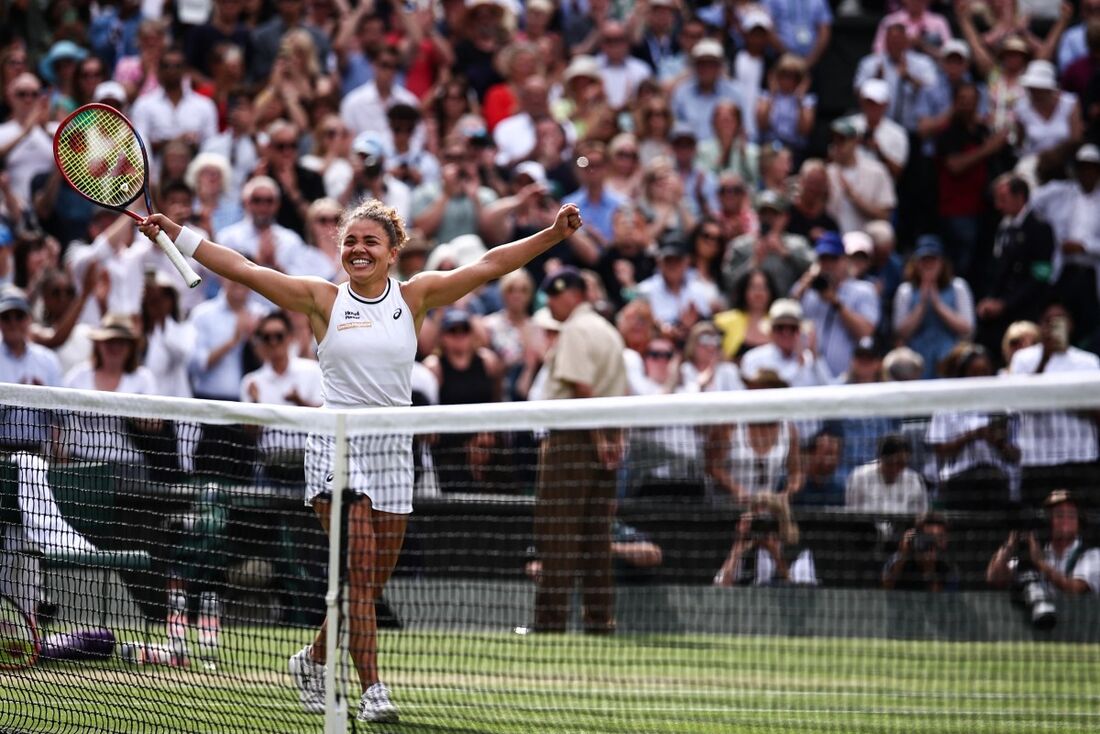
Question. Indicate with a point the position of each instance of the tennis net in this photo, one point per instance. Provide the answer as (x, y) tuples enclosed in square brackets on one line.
[(826, 559)]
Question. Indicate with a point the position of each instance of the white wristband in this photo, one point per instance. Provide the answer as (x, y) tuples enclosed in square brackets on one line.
[(188, 241)]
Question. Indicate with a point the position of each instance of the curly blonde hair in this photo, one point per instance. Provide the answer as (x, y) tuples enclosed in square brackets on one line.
[(385, 216)]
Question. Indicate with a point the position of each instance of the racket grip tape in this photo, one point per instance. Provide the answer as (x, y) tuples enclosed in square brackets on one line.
[(189, 275)]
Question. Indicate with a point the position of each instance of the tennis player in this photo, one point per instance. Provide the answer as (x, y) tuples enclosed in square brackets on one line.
[(366, 333)]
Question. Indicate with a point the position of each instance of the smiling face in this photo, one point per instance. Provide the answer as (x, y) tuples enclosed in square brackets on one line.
[(366, 253)]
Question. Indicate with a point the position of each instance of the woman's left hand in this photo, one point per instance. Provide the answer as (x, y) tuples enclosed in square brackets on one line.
[(568, 221)]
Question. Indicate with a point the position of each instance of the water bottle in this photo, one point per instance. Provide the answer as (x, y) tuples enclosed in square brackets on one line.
[(209, 629), (177, 626)]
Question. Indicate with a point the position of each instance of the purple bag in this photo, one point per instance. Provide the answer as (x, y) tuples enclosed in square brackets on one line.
[(87, 644)]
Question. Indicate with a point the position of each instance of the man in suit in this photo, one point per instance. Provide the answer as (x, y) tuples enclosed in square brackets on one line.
[(657, 43), (1022, 251)]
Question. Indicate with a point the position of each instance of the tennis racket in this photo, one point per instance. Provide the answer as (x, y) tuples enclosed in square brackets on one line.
[(100, 155), (19, 644)]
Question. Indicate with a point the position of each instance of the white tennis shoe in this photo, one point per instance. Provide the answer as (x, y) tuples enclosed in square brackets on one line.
[(309, 676), (375, 705)]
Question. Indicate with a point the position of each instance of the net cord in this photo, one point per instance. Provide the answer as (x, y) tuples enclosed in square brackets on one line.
[(1060, 391)]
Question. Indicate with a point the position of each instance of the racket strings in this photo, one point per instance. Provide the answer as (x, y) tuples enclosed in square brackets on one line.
[(99, 155)]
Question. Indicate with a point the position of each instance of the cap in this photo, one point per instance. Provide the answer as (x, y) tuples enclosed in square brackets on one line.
[(928, 245), (858, 242), (866, 347), (682, 130), (876, 90), (671, 249), (708, 48), (955, 47), (542, 319), (582, 65), (471, 4), (561, 280), (1015, 44), (109, 90), (843, 126), (113, 326), (1040, 75), (663, 4), (453, 317), (13, 299), (829, 243), (1058, 497), (1088, 153), (768, 199), (532, 170), (544, 5), (785, 309), (756, 19), (370, 147)]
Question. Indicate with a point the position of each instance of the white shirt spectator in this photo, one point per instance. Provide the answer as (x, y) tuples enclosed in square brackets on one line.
[(36, 366), (867, 492), (1041, 133), (726, 377), (31, 156), (870, 180), (890, 137), (748, 71), (620, 81), (292, 255), (667, 306), (1074, 215), (801, 571), (364, 111), (167, 355), (799, 369), (104, 438), (302, 376), (157, 119), (515, 138), (1055, 437)]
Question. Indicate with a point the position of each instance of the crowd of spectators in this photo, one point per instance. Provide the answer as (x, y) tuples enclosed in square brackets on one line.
[(947, 225)]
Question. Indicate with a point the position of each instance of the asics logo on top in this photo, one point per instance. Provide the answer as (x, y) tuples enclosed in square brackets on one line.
[(397, 314)]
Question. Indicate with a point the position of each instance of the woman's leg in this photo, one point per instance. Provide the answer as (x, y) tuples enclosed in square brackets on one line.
[(374, 544)]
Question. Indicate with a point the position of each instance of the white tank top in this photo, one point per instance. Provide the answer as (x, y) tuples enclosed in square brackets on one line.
[(759, 472), (367, 354)]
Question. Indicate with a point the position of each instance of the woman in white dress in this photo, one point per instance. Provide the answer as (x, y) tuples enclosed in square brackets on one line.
[(361, 368)]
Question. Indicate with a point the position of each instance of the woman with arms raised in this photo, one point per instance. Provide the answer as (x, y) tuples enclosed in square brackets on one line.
[(366, 343)]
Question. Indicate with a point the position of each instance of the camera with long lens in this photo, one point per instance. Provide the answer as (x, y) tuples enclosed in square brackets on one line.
[(821, 283), (1030, 591)]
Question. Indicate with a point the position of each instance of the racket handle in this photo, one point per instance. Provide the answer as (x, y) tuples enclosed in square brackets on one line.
[(189, 275)]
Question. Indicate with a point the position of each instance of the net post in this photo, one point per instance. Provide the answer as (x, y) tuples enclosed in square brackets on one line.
[(336, 707)]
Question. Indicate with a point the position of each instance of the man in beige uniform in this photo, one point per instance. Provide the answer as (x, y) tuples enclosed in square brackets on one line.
[(576, 488)]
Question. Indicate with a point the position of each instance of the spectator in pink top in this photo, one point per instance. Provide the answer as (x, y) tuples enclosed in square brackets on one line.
[(926, 30)]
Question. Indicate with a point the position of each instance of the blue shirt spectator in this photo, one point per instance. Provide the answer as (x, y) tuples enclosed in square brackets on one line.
[(800, 24), (694, 99)]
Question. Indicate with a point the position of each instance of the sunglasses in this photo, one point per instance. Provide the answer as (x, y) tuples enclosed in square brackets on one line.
[(654, 354), (333, 133), (9, 316), (402, 128), (334, 219), (26, 93), (784, 328), (731, 190), (170, 65), (96, 74), (1015, 343), (458, 330), (271, 337), (284, 146), (262, 200), (632, 154)]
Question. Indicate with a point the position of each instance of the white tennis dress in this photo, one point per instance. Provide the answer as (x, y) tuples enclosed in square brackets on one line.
[(366, 361)]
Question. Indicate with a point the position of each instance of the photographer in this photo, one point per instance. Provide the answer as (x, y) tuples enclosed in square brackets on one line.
[(844, 310), (920, 564), (1063, 563), (764, 552)]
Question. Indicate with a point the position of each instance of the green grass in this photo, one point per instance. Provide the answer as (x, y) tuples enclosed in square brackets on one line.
[(462, 682)]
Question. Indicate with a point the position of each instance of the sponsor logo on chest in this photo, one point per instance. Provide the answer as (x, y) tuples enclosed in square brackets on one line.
[(354, 320)]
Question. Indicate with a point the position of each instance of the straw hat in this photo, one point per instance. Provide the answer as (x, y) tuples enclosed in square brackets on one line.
[(114, 326)]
